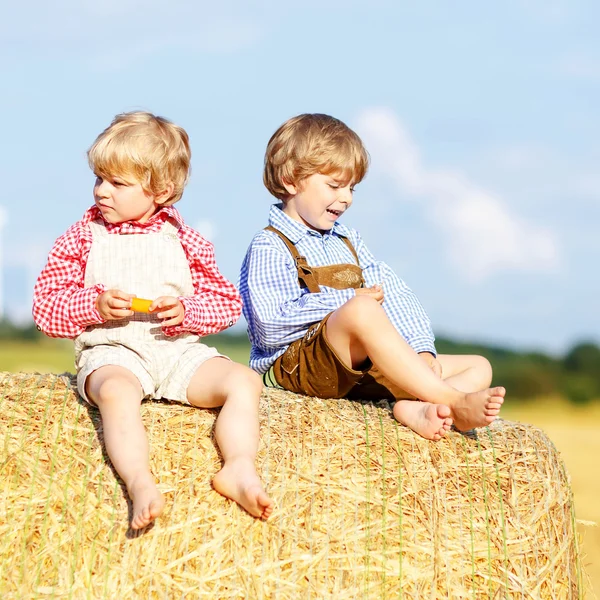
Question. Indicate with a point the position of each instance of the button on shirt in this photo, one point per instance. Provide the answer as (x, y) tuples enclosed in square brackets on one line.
[(279, 311)]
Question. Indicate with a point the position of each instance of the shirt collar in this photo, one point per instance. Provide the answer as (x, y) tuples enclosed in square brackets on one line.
[(294, 230), (164, 214)]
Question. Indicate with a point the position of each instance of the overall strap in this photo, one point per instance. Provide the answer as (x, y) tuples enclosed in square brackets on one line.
[(305, 273), (351, 248), (169, 227), (97, 228)]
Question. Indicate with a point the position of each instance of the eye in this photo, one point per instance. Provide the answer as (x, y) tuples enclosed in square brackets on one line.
[(333, 186)]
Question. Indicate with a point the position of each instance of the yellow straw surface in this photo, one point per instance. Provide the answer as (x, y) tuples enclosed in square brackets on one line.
[(364, 507)]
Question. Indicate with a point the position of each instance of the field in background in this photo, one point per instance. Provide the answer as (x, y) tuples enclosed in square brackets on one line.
[(56, 356), (575, 430), (47, 356)]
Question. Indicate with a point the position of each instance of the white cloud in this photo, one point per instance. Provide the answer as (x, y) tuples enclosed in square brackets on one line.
[(541, 176), (207, 229), (588, 186), (482, 234), (520, 157)]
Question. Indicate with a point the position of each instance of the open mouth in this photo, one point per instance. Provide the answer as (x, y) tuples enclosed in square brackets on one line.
[(335, 213)]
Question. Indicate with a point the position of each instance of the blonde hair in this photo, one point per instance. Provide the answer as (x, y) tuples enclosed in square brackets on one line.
[(149, 149), (309, 144)]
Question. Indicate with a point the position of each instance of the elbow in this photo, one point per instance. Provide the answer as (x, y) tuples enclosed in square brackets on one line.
[(39, 322), (45, 328), (53, 323)]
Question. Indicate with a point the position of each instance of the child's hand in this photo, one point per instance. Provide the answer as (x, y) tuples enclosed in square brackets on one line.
[(169, 309), (434, 363), (114, 305), (374, 292)]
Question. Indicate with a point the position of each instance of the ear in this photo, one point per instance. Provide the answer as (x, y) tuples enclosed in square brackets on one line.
[(290, 188), (164, 196)]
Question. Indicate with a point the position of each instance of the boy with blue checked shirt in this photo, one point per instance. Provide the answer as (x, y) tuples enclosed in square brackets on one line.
[(330, 319)]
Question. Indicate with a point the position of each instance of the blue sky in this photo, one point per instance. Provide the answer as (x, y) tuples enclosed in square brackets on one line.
[(481, 120)]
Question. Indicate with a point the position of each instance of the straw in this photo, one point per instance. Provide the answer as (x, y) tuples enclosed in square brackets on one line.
[(364, 507)]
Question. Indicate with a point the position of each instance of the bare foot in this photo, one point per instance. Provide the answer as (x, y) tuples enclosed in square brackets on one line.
[(478, 409), (148, 502), (430, 421), (239, 481)]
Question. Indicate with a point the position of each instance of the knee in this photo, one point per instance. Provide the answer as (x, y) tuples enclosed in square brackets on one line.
[(360, 308), (483, 369), (110, 390), (242, 377)]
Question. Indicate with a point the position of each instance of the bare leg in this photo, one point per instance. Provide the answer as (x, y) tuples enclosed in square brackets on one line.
[(470, 373), (467, 373), (220, 382), (360, 329), (118, 394)]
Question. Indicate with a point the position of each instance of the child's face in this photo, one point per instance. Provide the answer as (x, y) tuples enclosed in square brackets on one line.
[(120, 200), (318, 201)]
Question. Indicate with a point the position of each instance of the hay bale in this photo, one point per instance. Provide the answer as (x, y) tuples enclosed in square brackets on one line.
[(364, 508)]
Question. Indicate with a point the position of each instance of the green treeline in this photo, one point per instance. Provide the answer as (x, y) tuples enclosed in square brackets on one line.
[(527, 375), (575, 376), (10, 331)]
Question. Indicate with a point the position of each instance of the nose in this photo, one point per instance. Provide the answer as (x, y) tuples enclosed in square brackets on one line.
[(101, 188), (345, 195)]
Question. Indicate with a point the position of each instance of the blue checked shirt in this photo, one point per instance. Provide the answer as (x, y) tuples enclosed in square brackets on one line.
[(279, 311)]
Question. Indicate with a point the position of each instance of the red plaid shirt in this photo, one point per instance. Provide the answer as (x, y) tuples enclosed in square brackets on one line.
[(63, 307)]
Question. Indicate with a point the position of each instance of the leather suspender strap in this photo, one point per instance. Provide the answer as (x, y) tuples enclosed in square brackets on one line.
[(305, 274), (294, 251), (351, 247)]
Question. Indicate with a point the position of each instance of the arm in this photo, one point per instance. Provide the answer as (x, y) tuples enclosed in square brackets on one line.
[(400, 303), (277, 309), (216, 303), (62, 306)]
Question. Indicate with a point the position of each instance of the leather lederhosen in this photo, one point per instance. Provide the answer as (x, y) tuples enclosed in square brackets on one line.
[(369, 384)]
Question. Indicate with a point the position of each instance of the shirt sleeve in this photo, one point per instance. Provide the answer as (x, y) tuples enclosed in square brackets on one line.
[(277, 309), (62, 306), (400, 303), (216, 303)]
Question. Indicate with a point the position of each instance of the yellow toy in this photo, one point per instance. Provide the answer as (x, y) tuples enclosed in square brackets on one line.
[(140, 305)]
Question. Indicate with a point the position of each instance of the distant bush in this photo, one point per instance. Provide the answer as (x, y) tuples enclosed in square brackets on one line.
[(11, 331), (526, 375), (529, 375), (580, 389)]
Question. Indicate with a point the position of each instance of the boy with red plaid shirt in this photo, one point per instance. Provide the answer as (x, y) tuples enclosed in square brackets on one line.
[(133, 242)]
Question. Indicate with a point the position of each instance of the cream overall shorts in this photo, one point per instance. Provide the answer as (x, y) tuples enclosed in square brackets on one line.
[(147, 265)]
